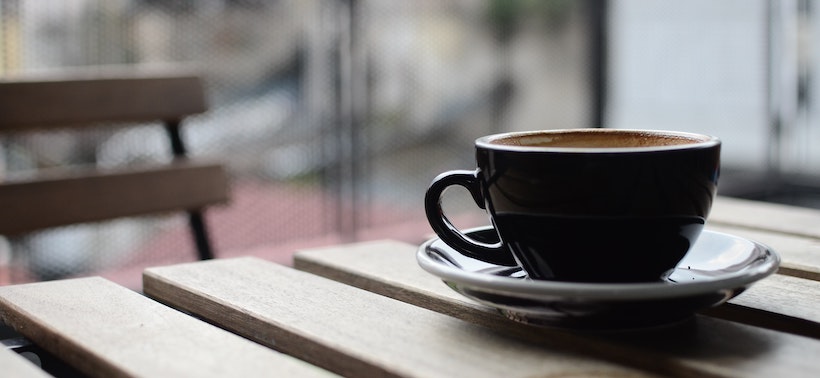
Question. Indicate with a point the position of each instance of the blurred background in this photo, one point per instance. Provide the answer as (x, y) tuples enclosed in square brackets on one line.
[(334, 115)]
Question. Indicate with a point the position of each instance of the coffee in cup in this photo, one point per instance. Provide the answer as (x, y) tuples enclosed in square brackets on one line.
[(586, 205)]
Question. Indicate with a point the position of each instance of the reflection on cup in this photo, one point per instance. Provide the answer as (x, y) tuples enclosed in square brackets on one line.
[(586, 205)]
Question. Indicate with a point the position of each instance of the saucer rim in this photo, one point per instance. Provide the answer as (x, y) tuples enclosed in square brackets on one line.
[(549, 290)]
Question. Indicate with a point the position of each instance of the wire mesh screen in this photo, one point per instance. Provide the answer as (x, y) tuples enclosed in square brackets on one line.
[(332, 116)]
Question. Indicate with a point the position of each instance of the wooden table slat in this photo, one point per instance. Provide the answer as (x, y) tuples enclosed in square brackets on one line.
[(351, 331), (772, 217), (356, 332), (15, 365), (389, 268), (800, 254), (103, 329)]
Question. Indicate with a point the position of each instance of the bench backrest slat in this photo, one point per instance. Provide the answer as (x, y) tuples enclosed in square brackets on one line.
[(129, 97), (92, 196)]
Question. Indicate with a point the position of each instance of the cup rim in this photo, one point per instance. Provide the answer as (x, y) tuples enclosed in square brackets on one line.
[(706, 141)]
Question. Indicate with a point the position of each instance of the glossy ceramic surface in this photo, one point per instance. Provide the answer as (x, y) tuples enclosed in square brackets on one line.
[(645, 201), (718, 267)]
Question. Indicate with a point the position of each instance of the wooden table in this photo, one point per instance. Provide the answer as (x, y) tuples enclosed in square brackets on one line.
[(367, 309)]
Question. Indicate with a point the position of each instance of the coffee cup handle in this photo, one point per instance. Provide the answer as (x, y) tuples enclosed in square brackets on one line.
[(449, 233)]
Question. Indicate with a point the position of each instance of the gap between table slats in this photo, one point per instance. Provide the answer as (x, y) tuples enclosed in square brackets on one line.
[(800, 254), (389, 268), (357, 333), (298, 312), (105, 330)]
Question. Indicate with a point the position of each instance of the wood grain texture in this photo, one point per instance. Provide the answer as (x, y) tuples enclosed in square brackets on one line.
[(79, 99), (93, 196), (113, 96), (779, 302), (14, 365), (105, 330), (771, 217), (389, 268), (800, 254), (353, 332)]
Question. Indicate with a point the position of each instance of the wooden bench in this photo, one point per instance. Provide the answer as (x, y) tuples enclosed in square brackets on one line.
[(107, 97)]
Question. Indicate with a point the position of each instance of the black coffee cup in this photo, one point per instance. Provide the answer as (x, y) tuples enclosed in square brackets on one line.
[(586, 205)]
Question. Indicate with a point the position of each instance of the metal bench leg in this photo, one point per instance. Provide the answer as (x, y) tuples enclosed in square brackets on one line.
[(198, 231)]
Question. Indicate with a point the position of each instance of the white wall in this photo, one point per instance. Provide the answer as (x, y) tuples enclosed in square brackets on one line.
[(697, 65)]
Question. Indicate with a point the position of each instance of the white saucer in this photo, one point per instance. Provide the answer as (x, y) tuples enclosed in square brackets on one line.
[(718, 267)]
